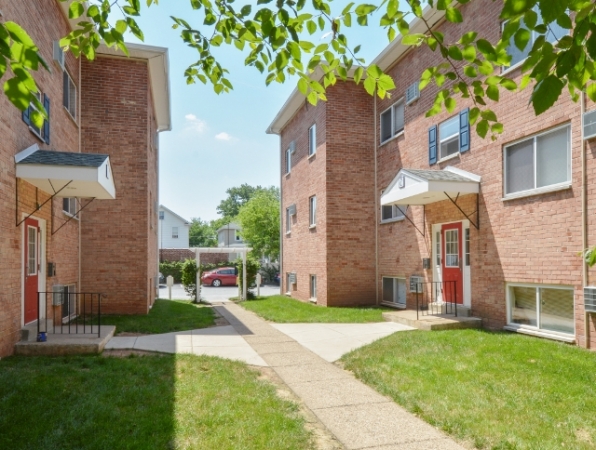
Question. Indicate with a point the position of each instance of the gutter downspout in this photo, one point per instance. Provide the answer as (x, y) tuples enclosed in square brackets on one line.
[(80, 148), (585, 274), (376, 206), (281, 231)]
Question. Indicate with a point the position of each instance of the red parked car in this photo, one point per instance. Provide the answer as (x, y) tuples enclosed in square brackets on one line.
[(224, 276)]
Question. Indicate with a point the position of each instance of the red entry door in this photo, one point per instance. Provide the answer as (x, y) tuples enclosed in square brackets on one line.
[(31, 268), (452, 264)]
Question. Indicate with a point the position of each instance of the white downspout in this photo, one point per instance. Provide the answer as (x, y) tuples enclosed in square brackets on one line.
[(585, 274), (80, 145), (376, 206), (281, 223)]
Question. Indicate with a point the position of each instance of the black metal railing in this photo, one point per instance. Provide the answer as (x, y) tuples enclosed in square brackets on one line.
[(436, 298), (64, 312)]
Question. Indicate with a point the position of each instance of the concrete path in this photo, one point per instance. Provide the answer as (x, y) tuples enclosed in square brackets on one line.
[(359, 417), (333, 340)]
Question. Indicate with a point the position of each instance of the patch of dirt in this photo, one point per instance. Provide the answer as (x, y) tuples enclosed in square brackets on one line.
[(323, 438), (127, 353), (220, 321)]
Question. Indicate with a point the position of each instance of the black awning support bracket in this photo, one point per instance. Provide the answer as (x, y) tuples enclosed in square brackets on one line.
[(71, 217), (37, 206), (477, 212), (413, 224)]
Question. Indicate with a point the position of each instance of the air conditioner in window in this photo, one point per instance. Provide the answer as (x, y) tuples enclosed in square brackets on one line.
[(292, 147), (292, 210), (292, 278), (412, 93), (416, 283), (57, 294), (589, 121), (590, 299), (58, 54)]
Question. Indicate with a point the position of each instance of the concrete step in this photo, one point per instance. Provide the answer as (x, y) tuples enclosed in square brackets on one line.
[(443, 308), (64, 344), (432, 323)]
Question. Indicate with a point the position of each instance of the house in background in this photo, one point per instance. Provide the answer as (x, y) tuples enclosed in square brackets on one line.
[(172, 229), (378, 199), (229, 235), (70, 234)]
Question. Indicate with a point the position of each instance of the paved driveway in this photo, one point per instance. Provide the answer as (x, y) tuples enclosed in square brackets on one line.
[(212, 294)]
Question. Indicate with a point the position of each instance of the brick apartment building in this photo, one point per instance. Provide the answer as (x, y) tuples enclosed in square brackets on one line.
[(375, 194), (78, 197)]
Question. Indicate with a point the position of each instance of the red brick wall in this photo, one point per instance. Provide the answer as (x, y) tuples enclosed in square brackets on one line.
[(117, 244), (44, 22), (182, 254)]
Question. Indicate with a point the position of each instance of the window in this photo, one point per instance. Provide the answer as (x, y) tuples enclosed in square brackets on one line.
[(438, 248), (288, 160), (541, 161), (312, 140), (32, 251), (392, 121), (237, 235), (467, 249), (161, 215), (44, 132), (391, 213), (313, 210), (288, 220), (174, 232), (541, 307), (394, 291), (69, 95), (451, 248), (69, 206), (313, 287), (554, 33), (449, 137)]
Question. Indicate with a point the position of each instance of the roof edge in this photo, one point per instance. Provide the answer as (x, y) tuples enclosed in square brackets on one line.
[(187, 222)]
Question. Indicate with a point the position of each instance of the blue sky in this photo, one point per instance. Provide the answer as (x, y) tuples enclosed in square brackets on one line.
[(219, 141)]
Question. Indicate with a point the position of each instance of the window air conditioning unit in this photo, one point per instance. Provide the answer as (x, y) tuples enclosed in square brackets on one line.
[(292, 147), (416, 283), (589, 120), (58, 54), (412, 93), (292, 210), (57, 294), (292, 278), (590, 299)]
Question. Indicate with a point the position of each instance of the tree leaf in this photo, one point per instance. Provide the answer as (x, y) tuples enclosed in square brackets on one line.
[(546, 93)]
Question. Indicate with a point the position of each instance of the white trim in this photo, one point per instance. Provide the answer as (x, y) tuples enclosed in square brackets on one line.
[(440, 141), (542, 190), (288, 161), (541, 333), (312, 211), (312, 140), (449, 157), (394, 133), (401, 133), (395, 291), (395, 219), (42, 276)]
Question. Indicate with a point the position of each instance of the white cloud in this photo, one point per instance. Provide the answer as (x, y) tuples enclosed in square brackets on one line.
[(195, 124), (223, 136)]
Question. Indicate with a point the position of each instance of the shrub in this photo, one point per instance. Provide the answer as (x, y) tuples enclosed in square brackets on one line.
[(173, 268), (252, 268), (189, 277)]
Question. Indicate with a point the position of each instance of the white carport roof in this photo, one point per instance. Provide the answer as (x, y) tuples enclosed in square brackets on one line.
[(67, 174), (422, 187)]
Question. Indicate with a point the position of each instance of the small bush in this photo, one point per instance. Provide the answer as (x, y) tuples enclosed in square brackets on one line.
[(173, 268)]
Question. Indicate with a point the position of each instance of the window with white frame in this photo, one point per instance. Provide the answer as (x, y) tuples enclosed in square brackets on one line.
[(394, 291), (391, 213), (553, 34), (313, 287), (288, 160), (237, 235), (174, 232), (161, 215), (438, 248), (69, 95), (69, 206), (313, 210), (467, 246), (32, 111), (312, 140), (288, 220), (392, 121), (541, 161), (449, 137), (548, 308)]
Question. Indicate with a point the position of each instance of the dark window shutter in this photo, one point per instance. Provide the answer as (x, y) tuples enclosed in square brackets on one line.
[(432, 145), (65, 92), (46, 123), (464, 130), (27, 115)]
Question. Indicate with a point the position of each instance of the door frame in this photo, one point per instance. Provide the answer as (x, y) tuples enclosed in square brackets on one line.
[(41, 280), (437, 274)]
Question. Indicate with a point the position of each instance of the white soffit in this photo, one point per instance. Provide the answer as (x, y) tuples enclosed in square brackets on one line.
[(422, 187), (159, 68), (67, 174)]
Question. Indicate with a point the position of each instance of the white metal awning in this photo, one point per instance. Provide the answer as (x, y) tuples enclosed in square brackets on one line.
[(67, 174), (422, 187)]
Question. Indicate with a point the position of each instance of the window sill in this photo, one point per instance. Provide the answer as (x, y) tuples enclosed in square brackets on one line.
[(66, 213), (507, 70), (312, 227), (70, 116), (312, 300), (392, 138), (288, 233), (539, 191), (448, 158), (312, 156), (393, 305), (288, 175), (36, 134), (397, 219), (569, 338)]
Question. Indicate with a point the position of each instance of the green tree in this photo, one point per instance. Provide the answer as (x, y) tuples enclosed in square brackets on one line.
[(238, 197), (276, 38), (201, 233), (259, 219)]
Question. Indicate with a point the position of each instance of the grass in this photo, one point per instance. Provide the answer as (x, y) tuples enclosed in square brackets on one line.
[(166, 316), (281, 309), (148, 402), (492, 390)]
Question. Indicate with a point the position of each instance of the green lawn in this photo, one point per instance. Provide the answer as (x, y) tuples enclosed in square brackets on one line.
[(493, 390), (150, 402), (166, 316), (281, 309)]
